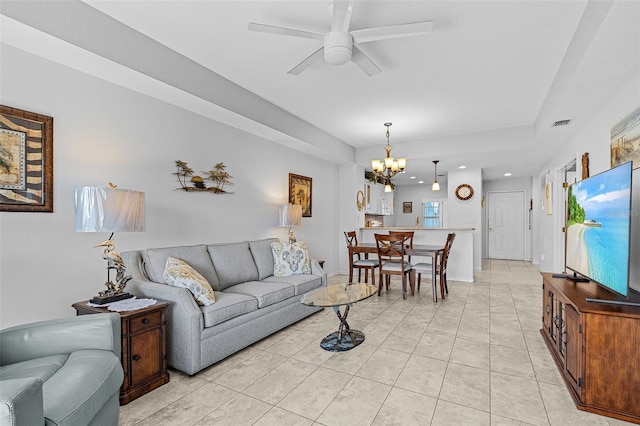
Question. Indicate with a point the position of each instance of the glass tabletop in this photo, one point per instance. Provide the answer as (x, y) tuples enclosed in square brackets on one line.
[(338, 294)]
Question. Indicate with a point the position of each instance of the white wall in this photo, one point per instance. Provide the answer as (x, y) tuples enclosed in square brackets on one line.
[(592, 136), (467, 214), (105, 133), (460, 214), (415, 194), (350, 218)]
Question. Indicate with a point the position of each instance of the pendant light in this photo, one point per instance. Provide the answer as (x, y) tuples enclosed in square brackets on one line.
[(436, 185)]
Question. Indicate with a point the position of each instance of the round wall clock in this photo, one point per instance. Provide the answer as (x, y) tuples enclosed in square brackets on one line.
[(464, 191)]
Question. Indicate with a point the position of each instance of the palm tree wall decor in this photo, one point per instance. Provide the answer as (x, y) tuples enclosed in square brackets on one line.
[(189, 181)]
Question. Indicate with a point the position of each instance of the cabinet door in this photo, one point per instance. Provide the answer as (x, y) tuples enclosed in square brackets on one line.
[(146, 355), (374, 199), (562, 331), (555, 318), (572, 342), (547, 310)]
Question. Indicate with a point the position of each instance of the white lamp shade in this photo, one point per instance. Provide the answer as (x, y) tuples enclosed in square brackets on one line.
[(435, 186), (289, 215), (104, 209)]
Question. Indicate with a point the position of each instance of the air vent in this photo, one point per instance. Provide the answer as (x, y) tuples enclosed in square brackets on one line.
[(561, 123)]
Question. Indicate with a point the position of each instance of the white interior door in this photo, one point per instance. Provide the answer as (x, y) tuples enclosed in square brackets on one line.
[(506, 225)]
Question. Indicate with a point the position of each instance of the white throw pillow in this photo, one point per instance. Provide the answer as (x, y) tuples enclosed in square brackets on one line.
[(291, 259), (179, 273)]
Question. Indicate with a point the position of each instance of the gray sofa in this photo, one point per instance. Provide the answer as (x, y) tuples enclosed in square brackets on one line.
[(251, 303), (61, 372)]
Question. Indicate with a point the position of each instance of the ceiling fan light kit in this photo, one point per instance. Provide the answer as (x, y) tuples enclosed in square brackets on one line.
[(339, 44), (337, 48)]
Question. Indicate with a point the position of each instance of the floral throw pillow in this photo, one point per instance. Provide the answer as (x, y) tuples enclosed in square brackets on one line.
[(179, 273), (291, 259)]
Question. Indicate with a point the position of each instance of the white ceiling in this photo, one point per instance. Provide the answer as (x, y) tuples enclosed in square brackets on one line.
[(475, 91)]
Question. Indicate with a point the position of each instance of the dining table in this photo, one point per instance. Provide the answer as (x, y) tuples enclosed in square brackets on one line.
[(433, 250)]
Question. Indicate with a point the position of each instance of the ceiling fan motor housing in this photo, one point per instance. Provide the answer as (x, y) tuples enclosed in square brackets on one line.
[(337, 47)]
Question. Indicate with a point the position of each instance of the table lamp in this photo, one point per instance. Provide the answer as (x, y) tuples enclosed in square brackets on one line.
[(110, 209), (290, 215)]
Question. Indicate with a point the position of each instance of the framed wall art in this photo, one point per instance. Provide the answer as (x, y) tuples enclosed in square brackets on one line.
[(26, 161), (300, 192), (625, 140), (407, 207)]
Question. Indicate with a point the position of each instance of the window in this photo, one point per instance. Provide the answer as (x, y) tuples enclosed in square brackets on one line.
[(434, 213)]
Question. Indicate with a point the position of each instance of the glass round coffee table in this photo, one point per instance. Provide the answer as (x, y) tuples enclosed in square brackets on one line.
[(334, 296)]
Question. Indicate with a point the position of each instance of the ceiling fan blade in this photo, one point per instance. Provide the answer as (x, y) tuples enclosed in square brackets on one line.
[(341, 15), (264, 28), (392, 31), (364, 62), (307, 62)]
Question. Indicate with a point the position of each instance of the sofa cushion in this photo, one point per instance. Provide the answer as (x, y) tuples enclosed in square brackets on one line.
[(262, 256), (233, 264), (291, 259), (178, 273), (78, 390), (196, 256), (39, 368), (301, 283), (267, 293), (227, 306)]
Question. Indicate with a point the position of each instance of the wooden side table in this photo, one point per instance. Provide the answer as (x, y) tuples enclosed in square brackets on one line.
[(144, 348)]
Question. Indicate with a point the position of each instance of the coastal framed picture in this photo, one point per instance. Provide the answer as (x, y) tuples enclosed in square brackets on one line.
[(300, 192), (625, 140), (407, 207), (26, 161)]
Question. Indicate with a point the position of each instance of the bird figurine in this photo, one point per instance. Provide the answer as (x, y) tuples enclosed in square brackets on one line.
[(114, 261)]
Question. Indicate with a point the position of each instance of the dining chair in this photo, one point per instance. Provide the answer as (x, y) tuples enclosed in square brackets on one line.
[(391, 253), (409, 243), (356, 262), (441, 267)]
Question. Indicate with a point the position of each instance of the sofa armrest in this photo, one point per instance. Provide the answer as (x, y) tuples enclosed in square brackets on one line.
[(183, 305), (21, 402), (60, 336), (316, 269), (185, 321)]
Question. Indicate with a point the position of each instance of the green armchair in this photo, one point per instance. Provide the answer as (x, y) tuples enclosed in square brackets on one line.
[(61, 372)]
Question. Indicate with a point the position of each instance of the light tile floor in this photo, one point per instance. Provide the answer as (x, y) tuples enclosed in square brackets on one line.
[(476, 358)]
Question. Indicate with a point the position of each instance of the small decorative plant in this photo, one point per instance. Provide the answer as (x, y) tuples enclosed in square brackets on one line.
[(191, 182), (373, 177)]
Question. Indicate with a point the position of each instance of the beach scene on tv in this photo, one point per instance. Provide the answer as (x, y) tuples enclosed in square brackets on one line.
[(598, 223)]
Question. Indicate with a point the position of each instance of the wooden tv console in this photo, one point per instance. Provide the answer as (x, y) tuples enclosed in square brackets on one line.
[(596, 346)]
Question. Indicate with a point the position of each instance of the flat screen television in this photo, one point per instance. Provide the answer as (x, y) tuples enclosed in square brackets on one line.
[(599, 227)]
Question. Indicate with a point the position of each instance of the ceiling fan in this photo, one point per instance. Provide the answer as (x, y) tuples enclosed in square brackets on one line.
[(341, 45)]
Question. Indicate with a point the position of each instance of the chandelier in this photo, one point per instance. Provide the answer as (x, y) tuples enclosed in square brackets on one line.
[(389, 167)]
